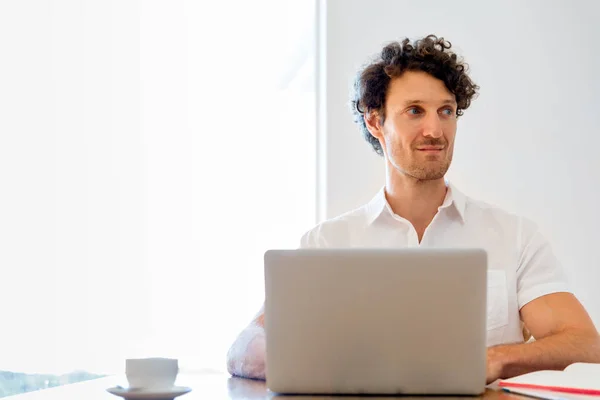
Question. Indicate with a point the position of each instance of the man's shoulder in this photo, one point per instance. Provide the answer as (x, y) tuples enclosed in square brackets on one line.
[(490, 214), (488, 208), (334, 232)]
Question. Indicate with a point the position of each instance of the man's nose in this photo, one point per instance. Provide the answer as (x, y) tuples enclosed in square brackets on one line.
[(433, 126)]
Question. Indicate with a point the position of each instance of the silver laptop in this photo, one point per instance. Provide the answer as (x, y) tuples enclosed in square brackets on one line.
[(376, 321)]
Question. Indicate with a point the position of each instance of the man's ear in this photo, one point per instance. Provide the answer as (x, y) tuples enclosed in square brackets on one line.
[(374, 124)]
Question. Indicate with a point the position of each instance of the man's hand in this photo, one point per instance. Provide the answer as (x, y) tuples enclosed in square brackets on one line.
[(494, 364)]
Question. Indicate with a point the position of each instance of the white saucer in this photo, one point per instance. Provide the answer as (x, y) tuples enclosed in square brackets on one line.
[(141, 394)]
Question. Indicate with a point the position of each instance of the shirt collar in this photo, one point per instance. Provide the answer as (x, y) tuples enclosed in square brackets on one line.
[(379, 205)]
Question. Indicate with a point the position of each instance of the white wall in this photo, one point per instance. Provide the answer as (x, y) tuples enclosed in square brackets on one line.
[(530, 143)]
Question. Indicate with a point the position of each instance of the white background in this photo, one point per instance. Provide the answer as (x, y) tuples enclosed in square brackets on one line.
[(150, 152), (530, 142)]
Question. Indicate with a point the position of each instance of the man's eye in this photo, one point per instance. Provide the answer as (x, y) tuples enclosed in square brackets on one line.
[(448, 111), (414, 111)]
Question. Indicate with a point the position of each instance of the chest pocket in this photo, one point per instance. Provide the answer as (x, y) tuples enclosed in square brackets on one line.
[(497, 306)]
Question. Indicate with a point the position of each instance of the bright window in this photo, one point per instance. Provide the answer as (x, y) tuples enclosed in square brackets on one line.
[(150, 153)]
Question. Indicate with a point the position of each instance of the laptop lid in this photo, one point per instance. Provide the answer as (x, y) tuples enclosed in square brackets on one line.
[(376, 321)]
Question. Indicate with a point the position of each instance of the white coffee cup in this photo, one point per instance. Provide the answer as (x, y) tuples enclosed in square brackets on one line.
[(151, 373)]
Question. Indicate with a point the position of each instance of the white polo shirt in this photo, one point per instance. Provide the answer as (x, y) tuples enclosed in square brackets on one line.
[(521, 264)]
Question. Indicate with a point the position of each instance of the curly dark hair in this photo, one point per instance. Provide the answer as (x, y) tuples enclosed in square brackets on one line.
[(431, 55)]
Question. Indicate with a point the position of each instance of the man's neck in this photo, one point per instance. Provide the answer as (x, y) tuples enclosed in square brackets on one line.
[(415, 200)]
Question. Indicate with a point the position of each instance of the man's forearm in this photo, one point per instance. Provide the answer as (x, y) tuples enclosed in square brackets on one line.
[(553, 352), (246, 357)]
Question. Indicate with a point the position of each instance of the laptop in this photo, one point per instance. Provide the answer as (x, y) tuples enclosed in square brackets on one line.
[(376, 321)]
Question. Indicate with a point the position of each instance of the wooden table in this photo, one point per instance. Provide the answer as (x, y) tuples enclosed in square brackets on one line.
[(213, 386)]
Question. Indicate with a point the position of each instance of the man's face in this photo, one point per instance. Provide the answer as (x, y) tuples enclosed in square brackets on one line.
[(418, 133)]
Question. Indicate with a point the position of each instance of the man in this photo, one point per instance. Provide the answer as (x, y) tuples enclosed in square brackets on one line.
[(407, 103)]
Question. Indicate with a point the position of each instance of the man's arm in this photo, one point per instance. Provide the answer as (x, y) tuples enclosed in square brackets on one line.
[(247, 356), (564, 334)]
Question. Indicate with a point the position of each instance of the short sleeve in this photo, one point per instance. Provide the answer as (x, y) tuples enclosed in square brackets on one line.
[(539, 272), (308, 240), (314, 238)]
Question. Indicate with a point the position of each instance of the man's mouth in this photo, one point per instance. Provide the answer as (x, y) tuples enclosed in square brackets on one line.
[(430, 148)]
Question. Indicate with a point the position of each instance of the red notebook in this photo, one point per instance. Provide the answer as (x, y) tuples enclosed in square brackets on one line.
[(578, 378)]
